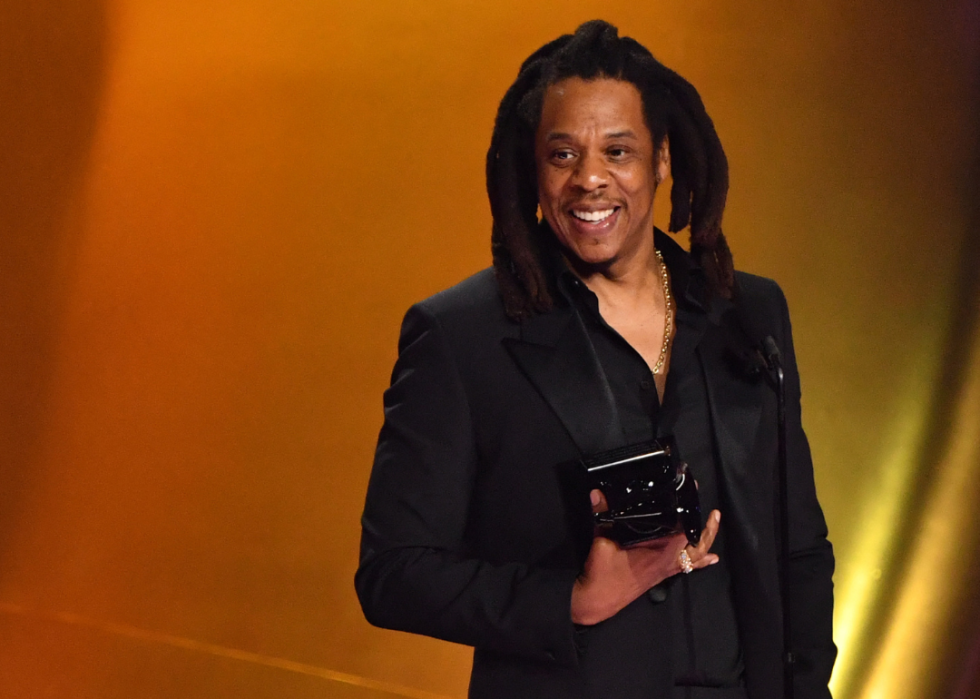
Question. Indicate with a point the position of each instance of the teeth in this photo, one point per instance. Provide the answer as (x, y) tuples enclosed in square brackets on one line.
[(593, 216)]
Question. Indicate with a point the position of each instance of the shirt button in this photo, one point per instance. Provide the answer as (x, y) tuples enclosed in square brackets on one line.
[(657, 594), (646, 384)]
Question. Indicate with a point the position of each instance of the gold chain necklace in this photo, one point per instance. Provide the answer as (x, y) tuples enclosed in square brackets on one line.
[(668, 314)]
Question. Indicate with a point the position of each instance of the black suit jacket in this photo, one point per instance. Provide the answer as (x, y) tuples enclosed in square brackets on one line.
[(469, 534)]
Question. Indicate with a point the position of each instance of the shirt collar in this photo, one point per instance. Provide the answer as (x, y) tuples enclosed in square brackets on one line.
[(688, 281)]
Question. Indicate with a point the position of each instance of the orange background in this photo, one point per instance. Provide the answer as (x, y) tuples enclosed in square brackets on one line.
[(213, 215)]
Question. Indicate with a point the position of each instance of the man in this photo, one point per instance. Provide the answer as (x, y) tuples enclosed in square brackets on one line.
[(470, 531)]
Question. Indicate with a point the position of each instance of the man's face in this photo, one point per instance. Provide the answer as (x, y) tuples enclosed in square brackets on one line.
[(597, 173)]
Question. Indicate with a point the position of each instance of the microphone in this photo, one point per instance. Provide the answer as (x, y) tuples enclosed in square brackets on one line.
[(770, 351), (759, 350), (766, 352)]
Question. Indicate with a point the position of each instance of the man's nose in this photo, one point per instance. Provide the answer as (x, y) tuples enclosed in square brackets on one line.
[(590, 173)]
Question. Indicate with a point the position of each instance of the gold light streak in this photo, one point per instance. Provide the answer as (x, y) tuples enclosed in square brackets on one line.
[(190, 644), (913, 642), (857, 577)]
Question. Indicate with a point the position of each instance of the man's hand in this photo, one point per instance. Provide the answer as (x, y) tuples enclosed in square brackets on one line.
[(613, 576)]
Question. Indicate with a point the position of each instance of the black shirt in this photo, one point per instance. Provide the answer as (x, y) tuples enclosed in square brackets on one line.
[(705, 650)]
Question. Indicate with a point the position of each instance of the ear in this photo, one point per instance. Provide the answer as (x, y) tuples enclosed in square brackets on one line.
[(662, 164)]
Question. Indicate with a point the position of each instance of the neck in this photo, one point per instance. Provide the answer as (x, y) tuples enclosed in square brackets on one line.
[(622, 281)]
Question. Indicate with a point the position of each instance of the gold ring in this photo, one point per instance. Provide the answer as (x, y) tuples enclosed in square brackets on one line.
[(686, 564)]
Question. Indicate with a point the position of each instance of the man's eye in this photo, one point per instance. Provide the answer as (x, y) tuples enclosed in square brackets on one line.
[(617, 152), (563, 155)]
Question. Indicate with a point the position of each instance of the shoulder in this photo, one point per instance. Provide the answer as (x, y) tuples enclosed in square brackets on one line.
[(762, 306), (473, 302), (465, 312), (760, 296), (478, 293), (754, 287)]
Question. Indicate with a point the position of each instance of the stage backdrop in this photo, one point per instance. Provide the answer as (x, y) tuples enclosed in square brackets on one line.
[(213, 215)]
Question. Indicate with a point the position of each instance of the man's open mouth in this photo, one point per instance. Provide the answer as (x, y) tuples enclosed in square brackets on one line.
[(594, 216)]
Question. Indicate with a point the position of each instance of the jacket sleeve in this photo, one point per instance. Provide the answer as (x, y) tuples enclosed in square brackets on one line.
[(415, 574), (811, 564)]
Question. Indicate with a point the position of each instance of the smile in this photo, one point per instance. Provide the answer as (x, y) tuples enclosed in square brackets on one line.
[(593, 216)]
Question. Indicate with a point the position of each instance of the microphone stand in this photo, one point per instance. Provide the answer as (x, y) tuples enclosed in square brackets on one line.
[(770, 353)]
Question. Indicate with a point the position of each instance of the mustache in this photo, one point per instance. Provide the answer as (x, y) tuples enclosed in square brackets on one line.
[(593, 202)]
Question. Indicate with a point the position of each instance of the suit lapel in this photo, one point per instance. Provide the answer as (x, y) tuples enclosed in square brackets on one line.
[(556, 355), (736, 395)]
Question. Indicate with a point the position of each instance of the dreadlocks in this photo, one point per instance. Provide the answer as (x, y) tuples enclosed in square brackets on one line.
[(673, 110)]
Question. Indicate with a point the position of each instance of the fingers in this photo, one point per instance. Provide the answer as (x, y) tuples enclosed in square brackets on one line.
[(710, 532), (700, 555), (599, 503), (666, 554)]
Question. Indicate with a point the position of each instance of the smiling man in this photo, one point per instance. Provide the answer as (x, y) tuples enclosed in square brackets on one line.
[(591, 332), (598, 171)]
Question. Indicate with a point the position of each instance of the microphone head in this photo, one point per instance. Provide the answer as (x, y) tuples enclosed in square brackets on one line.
[(770, 349)]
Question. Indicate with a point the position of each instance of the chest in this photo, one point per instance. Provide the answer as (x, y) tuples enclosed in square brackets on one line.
[(648, 330)]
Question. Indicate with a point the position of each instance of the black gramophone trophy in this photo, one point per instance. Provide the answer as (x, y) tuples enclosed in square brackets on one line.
[(649, 490)]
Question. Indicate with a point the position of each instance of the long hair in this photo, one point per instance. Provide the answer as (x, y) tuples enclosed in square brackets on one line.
[(672, 109)]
